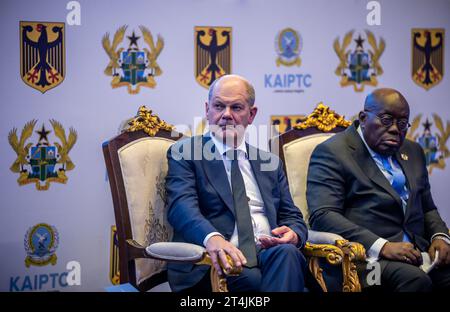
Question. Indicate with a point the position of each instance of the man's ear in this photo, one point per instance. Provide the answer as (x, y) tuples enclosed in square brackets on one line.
[(253, 111), (206, 109), (362, 116)]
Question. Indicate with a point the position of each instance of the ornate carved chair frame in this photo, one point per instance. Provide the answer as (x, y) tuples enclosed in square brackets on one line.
[(321, 122), (144, 127)]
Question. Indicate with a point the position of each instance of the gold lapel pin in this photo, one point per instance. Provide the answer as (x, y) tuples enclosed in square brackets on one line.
[(404, 156)]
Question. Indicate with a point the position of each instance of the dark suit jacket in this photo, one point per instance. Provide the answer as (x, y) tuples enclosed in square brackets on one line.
[(348, 194), (200, 201)]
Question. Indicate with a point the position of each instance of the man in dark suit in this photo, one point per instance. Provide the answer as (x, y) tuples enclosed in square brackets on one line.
[(234, 199), (370, 185)]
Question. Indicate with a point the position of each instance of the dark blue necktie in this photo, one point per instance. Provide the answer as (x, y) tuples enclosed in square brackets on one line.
[(242, 210)]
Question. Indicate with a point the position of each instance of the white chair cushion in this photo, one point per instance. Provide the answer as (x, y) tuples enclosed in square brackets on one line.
[(315, 237), (172, 251), (144, 169), (297, 155)]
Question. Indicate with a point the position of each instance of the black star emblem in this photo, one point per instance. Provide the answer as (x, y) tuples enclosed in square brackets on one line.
[(43, 134), (133, 39), (427, 125), (359, 42)]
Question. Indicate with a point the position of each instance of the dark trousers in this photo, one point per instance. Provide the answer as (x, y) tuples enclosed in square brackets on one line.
[(280, 268), (403, 277)]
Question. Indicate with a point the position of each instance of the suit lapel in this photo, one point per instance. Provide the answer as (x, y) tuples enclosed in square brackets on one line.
[(402, 159), (367, 164), (217, 176)]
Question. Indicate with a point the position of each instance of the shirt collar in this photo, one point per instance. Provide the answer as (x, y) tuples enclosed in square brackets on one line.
[(223, 148)]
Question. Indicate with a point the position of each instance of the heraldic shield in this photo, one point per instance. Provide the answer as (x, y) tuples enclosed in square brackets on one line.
[(427, 56), (42, 54), (359, 66), (212, 54), (133, 67)]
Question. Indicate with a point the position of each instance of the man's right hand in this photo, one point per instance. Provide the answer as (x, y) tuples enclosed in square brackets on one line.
[(400, 251), (218, 248)]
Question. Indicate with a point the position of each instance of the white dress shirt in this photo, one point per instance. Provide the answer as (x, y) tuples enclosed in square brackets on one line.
[(256, 204)]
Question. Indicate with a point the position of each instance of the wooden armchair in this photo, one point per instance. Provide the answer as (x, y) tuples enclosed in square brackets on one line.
[(137, 166), (295, 148)]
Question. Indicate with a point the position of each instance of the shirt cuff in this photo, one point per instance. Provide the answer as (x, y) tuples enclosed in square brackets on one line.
[(209, 236), (442, 236), (374, 251)]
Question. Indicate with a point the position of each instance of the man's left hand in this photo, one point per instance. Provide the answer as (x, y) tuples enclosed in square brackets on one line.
[(282, 235), (444, 252)]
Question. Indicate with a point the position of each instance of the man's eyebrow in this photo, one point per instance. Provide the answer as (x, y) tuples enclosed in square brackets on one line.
[(392, 116), (383, 111)]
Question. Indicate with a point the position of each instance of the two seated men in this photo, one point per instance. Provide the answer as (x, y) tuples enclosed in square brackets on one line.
[(367, 184)]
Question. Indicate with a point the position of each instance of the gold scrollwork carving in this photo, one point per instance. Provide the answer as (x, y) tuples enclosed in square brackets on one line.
[(148, 122), (324, 119), (353, 252), (332, 254), (219, 282), (316, 271)]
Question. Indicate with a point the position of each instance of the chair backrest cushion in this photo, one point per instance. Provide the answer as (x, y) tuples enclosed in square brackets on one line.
[(144, 168), (297, 155)]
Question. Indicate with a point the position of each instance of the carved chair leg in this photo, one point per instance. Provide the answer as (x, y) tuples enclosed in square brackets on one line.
[(351, 280), (332, 254), (316, 271), (218, 283), (352, 252)]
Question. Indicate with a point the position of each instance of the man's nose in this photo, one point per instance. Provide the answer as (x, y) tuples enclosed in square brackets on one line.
[(394, 128), (227, 113)]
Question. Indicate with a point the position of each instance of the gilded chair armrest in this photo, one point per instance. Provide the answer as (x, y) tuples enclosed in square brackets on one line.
[(331, 253), (318, 237), (355, 251)]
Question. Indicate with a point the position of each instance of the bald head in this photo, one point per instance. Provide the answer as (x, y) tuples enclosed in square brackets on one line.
[(383, 98), (233, 79)]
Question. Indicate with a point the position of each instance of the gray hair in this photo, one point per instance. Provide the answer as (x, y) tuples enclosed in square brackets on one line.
[(248, 86)]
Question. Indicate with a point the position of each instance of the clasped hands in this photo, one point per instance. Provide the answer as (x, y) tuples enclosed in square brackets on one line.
[(218, 248)]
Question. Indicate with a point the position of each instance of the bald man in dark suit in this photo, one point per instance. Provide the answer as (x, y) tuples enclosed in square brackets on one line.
[(370, 185)]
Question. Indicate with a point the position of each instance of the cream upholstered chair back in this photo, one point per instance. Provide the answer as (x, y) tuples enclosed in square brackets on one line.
[(136, 162), (144, 168), (296, 146), (296, 159)]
